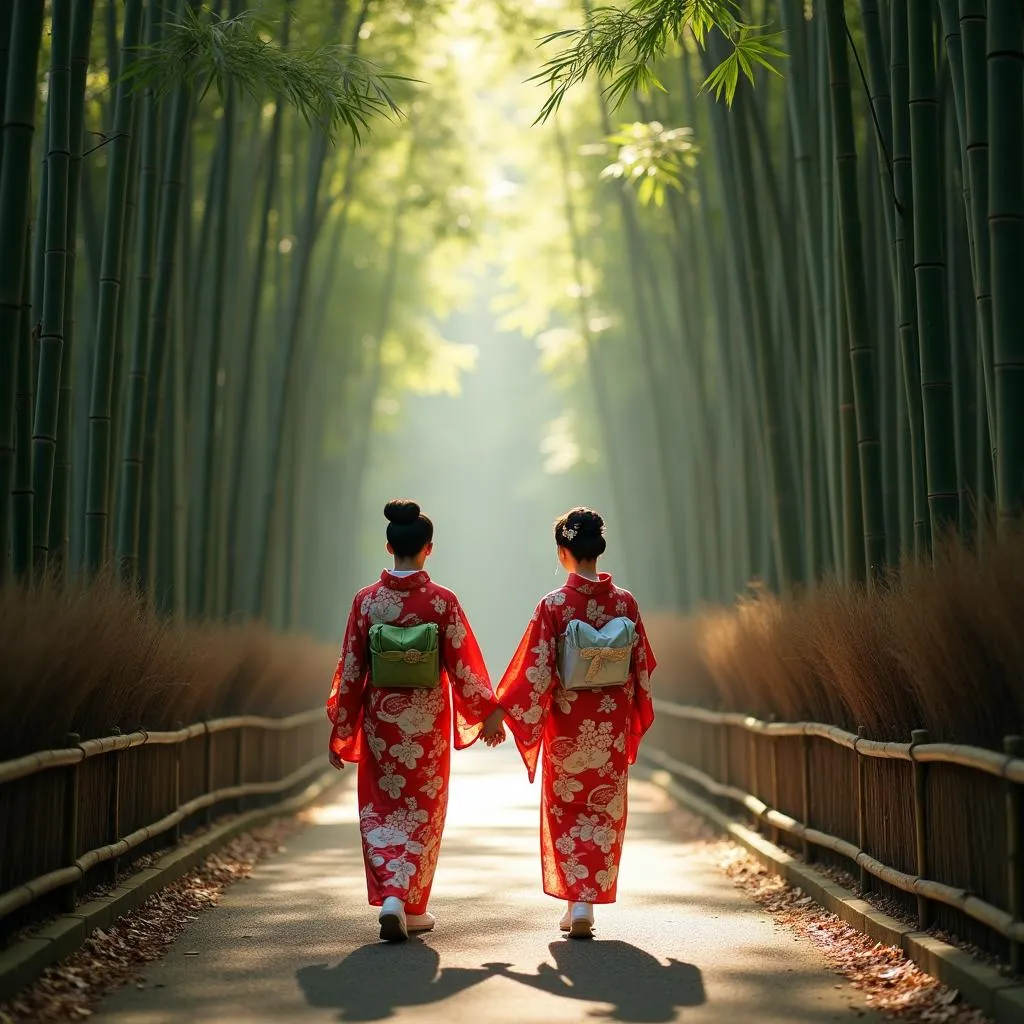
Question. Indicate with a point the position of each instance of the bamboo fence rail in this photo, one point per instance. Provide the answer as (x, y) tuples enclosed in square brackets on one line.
[(77, 817), (809, 800)]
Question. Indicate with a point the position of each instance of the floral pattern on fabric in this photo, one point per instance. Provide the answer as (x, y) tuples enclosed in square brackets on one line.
[(401, 739), (588, 738)]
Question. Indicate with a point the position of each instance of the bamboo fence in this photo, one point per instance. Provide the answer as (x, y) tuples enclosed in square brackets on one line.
[(938, 828), (74, 820)]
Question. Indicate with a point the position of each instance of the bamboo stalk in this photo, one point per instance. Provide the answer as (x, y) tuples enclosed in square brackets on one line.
[(282, 401), (958, 141), (647, 307), (782, 485), (126, 313), (112, 272), (973, 30), (60, 515), (964, 343), (854, 549), (595, 370), (15, 188), (733, 321), (809, 235), (887, 383), (881, 112), (904, 461), (1006, 234), (6, 25), (906, 283), (830, 344), (175, 152), (51, 336), (253, 319), (36, 270), (130, 491), (861, 346), (22, 494), (203, 575), (198, 256), (930, 274), (173, 546)]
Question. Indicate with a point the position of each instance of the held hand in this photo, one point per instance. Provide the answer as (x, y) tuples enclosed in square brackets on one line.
[(494, 731)]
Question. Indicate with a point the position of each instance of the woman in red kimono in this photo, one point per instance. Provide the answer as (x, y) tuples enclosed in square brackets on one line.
[(401, 738), (589, 737)]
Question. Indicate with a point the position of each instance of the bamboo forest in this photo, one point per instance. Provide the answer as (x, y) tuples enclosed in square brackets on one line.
[(746, 276)]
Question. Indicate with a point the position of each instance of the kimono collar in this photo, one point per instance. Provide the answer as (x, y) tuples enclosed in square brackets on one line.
[(602, 585), (411, 582)]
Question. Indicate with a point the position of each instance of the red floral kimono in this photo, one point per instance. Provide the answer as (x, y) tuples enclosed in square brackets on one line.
[(589, 739), (401, 739)]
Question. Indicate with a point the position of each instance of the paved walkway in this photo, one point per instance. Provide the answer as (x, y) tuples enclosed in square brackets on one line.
[(297, 942)]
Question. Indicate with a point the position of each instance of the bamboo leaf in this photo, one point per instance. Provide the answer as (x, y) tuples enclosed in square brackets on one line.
[(655, 156), (331, 87), (723, 78), (620, 45)]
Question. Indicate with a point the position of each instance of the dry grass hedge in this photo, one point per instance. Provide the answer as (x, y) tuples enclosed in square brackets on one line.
[(937, 648), (89, 658)]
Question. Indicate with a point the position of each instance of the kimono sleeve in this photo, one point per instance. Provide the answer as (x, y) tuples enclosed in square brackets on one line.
[(527, 687), (472, 696), (345, 703), (642, 711)]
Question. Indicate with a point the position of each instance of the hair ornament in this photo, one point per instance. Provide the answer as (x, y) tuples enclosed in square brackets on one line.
[(568, 533)]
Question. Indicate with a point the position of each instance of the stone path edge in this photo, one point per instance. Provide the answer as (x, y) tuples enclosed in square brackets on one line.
[(980, 985), (25, 960)]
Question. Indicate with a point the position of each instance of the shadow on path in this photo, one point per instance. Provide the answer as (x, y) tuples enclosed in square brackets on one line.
[(639, 988), (373, 981)]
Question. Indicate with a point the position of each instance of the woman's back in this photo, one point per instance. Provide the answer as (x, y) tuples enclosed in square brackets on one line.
[(404, 598), (395, 695), (577, 695), (410, 599), (534, 665)]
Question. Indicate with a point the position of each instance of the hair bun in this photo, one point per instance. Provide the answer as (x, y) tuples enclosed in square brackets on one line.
[(402, 511), (585, 520), (581, 530)]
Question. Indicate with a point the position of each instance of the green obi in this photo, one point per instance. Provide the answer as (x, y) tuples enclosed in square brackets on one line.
[(405, 657)]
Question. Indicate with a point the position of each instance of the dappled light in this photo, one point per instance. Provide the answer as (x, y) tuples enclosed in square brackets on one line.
[(496, 951), (317, 319)]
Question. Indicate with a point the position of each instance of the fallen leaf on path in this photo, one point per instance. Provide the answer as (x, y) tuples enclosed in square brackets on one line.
[(893, 986), (112, 957)]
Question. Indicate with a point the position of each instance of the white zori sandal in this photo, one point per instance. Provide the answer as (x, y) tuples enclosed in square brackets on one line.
[(419, 922), (396, 925), (393, 924), (578, 921)]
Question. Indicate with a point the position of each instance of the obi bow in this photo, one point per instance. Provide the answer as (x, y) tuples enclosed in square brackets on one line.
[(601, 656)]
